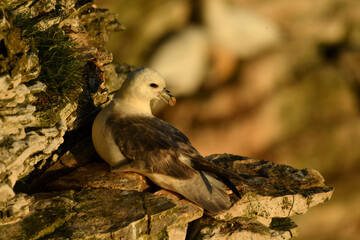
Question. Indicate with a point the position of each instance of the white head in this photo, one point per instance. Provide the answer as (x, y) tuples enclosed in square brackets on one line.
[(142, 86)]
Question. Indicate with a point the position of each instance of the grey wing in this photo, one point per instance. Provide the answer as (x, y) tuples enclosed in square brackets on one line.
[(196, 190), (153, 142), (165, 155), (161, 145)]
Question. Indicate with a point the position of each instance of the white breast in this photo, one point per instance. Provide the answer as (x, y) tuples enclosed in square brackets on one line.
[(103, 141)]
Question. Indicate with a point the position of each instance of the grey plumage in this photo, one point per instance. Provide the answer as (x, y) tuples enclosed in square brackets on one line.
[(155, 148), (130, 138)]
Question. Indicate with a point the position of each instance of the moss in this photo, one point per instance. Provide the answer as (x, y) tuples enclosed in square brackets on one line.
[(6, 142), (284, 224), (286, 203), (42, 223), (309, 201), (49, 216), (207, 227), (48, 105), (254, 208), (167, 216), (62, 66), (162, 235)]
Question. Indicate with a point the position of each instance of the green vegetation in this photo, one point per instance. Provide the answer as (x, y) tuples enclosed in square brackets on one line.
[(46, 220), (284, 224), (61, 64), (6, 142)]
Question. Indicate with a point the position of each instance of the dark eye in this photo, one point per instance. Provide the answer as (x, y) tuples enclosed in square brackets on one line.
[(153, 85)]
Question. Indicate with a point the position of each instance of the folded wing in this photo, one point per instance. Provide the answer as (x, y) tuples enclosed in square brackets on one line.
[(161, 152)]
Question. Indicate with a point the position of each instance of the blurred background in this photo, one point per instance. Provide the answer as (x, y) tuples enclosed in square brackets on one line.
[(277, 80)]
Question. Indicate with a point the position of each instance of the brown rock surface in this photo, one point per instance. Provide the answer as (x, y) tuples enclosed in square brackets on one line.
[(272, 190), (98, 175), (239, 228), (91, 202)]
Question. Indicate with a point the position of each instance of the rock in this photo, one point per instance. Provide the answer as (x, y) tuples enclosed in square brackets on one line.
[(177, 224), (92, 202), (182, 61), (15, 209), (238, 229), (101, 213), (271, 190), (242, 32), (14, 129), (6, 192), (16, 153), (44, 215), (172, 220), (48, 87), (98, 175), (80, 152), (4, 82)]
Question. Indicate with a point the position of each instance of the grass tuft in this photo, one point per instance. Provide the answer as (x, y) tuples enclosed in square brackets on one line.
[(62, 67)]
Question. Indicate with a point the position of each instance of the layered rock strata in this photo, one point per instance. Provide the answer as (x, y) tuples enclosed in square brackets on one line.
[(90, 202), (52, 60)]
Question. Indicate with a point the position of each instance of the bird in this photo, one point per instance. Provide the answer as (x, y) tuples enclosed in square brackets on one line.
[(130, 138)]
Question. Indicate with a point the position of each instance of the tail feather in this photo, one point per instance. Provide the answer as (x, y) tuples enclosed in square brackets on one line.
[(202, 189), (230, 184)]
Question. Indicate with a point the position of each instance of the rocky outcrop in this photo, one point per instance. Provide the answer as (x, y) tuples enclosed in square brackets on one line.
[(91, 202), (51, 69)]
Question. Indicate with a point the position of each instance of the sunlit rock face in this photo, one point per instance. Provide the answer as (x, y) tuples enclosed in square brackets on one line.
[(51, 69), (91, 202)]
